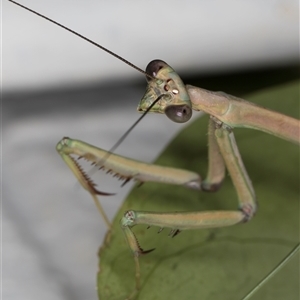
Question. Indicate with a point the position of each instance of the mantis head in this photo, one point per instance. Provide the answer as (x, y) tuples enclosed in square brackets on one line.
[(167, 89)]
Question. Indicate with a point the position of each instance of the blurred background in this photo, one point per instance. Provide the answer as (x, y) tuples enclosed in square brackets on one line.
[(55, 84)]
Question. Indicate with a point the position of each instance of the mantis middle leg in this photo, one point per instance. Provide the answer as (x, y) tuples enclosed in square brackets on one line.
[(221, 137)]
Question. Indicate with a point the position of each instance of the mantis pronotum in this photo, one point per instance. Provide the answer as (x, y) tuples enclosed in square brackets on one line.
[(164, 89)]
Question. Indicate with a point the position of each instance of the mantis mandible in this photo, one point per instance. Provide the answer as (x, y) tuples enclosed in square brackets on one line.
[(166, 94)]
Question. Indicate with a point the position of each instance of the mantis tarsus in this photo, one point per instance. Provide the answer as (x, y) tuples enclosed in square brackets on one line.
[(177, 101)]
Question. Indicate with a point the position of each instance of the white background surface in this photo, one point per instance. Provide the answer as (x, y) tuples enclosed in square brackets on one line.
[(201, 35), (51, 230)]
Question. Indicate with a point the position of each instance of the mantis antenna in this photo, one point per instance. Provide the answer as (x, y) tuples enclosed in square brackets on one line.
[(84, 38), (114, 147)]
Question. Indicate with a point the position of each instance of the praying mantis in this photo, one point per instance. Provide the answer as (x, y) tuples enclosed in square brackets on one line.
[(168, 95)]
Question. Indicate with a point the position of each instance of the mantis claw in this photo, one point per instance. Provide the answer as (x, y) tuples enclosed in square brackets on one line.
[(127, 222), (82, 176), (147, 251)]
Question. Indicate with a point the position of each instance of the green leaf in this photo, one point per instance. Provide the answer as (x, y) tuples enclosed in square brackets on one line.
[(223, 263)]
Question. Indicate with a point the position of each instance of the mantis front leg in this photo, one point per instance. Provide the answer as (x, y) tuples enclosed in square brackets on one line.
[(123, 168)]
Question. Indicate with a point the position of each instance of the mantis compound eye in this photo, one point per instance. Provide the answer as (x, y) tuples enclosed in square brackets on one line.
[(178, 113), (153, 67)]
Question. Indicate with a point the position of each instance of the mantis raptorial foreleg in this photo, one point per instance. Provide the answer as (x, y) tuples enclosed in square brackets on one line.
[(122, 168)]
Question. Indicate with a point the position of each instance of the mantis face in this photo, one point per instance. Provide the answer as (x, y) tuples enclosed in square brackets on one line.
[(165, 84)]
